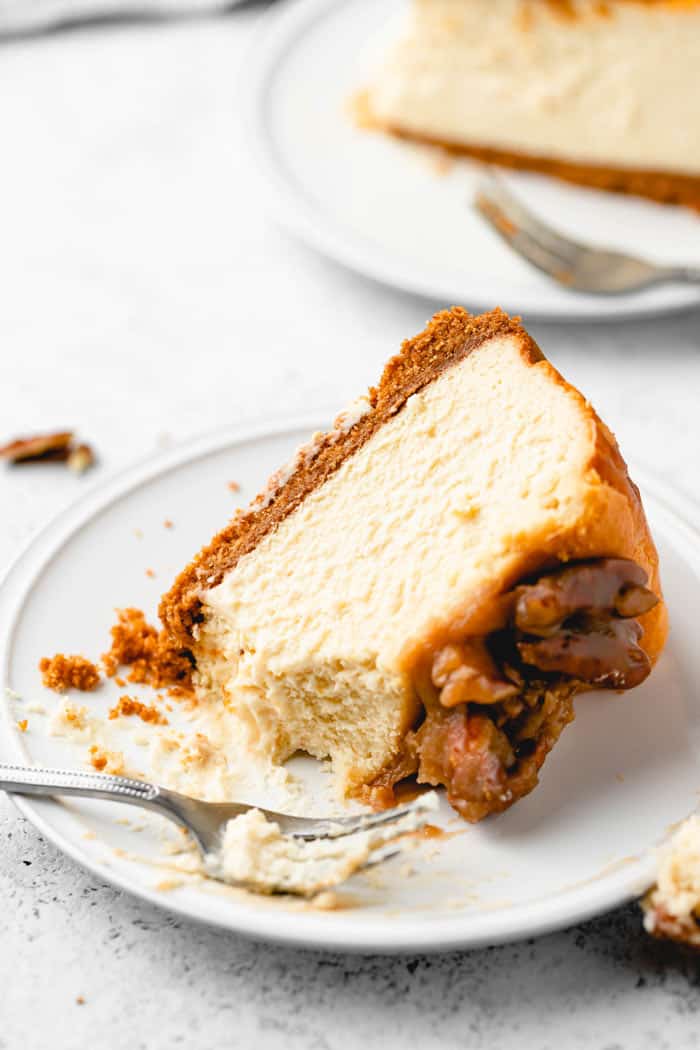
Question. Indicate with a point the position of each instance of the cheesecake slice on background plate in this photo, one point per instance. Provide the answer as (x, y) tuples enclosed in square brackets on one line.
[(606, 94)]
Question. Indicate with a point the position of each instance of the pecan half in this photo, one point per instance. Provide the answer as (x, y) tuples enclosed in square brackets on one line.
[(467, 673), (602, 653), (596, 589), (40, 446), (50, 448)]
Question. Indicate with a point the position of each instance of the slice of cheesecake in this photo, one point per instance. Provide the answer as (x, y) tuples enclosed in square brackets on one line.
[(602, 93), (423, 589)]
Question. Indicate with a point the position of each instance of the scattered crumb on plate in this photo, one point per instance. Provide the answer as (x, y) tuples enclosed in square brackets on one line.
[(61, 672)]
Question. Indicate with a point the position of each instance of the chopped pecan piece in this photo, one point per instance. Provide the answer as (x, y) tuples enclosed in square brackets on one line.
[(602, 653), (601, 588), (45, 448), (467, 672), (470, 756)]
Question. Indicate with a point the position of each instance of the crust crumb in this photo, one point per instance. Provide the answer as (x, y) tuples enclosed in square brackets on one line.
[(152, 656), (183, 694), (128, 706), (233, 486), (61, 672), (75, 716), (106, 761)]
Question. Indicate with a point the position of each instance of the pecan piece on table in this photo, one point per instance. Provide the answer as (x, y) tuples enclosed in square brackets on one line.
[(58, 447), (38, 447)]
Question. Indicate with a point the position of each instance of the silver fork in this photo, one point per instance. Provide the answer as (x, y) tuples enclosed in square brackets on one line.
[(206, 820), (572, 264)]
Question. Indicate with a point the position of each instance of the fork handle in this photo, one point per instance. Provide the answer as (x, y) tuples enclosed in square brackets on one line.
[(28, 780), (36, 780)]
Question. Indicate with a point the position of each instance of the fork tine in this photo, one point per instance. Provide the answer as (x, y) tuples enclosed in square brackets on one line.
[(300, 827), (525, 245), (385, 853), (517, 225)]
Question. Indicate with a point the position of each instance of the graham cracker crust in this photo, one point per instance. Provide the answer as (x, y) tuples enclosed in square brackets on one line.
[(450, 337), (660, 186)]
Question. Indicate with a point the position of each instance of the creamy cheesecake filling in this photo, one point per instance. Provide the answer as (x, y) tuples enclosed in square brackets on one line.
[(494, 706), (612, 85), (304, 638)]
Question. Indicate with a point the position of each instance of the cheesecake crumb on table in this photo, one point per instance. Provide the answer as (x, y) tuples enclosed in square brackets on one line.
[(61, 672)]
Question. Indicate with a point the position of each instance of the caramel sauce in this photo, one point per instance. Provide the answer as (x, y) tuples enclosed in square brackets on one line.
[(408, 790), (431, 831)]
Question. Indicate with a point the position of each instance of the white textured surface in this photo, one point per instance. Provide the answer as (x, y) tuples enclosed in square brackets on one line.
[(144, 297)]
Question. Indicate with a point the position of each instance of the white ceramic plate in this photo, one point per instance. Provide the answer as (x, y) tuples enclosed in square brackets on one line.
[(580, 844), (380, 207)]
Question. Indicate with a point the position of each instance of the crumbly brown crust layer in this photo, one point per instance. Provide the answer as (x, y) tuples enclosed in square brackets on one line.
[(450, 337), (661, 186)]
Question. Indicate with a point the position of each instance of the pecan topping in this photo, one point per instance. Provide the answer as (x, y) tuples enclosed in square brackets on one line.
[(582, 620), (600, 653), (504, 698), (602, 588), (468, 672)]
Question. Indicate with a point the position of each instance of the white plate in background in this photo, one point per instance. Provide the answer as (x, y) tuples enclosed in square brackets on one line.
[(380, 206), (580, 844)]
